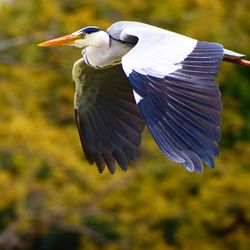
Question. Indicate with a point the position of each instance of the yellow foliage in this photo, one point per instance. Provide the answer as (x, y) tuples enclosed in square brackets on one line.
[(52, 199)]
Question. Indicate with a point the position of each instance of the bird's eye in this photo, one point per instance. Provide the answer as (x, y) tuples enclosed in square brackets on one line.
[(82, 35)]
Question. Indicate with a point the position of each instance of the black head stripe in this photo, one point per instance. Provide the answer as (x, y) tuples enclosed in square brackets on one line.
[(90, 29)]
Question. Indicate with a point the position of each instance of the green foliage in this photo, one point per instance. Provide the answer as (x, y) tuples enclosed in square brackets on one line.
[(52, 199)]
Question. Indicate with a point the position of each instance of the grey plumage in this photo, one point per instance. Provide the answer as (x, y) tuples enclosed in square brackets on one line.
[(135, 74)]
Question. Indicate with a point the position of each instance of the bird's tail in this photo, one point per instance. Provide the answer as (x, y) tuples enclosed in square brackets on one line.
[(239, 61)]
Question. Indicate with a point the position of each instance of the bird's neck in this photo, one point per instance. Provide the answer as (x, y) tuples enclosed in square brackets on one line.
[(106, 55)]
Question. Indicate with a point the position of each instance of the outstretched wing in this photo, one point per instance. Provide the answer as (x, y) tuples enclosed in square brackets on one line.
[(107, 116), (173, 79)]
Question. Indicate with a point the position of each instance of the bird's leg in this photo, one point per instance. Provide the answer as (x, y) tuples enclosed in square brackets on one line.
[(239, 61)]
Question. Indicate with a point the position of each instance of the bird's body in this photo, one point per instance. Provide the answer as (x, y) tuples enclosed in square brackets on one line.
[(135, 74)]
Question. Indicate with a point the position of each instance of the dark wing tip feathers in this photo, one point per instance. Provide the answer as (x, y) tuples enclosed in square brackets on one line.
[(123, 151), (121, 155)]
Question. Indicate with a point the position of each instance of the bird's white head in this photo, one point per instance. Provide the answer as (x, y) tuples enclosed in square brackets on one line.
[(89, 36)]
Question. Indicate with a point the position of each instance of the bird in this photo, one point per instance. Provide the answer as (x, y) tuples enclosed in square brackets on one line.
[(134, 75)]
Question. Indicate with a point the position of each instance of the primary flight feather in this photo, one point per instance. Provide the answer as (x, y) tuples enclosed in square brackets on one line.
[(134, 74)]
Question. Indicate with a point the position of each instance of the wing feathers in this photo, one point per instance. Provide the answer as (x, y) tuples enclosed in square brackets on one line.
[(195, 125), (181, 103), (107, 117), (121, 158)]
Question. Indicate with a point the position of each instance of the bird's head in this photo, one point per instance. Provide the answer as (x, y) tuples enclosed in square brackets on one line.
[(89, 36)]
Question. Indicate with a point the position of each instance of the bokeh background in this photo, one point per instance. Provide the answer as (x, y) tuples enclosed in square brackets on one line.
[(50, 198)]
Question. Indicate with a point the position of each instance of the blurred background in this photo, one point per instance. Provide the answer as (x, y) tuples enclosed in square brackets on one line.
[(50, 198)]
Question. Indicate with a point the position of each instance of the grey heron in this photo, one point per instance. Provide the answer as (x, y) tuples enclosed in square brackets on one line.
[(134, 74)]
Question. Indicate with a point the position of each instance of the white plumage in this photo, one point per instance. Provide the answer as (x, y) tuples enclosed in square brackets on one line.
[(169, 50)]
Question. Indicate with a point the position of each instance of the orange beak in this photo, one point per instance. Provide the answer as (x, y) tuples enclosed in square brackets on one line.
[(64, 40)]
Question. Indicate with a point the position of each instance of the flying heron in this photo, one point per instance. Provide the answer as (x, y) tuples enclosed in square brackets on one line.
[(134, 74)]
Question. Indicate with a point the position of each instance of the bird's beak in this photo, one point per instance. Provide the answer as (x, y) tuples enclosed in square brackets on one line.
[(64, 40)]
